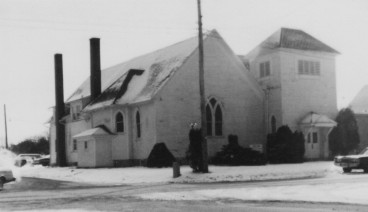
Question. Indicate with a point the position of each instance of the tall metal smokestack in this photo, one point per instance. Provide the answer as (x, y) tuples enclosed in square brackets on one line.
[(59, 111), (95, 68)]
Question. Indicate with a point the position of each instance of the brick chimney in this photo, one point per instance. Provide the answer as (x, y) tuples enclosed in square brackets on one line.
[(59, 111), (95, 68)]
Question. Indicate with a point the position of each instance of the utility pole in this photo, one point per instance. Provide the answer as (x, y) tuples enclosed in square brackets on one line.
[(204, 165), (6, 129)]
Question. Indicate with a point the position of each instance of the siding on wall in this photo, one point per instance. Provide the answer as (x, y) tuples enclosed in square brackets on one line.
[(270, 84), (87, 157), (178, 103), (303, 94), (103, 151), (142, 146), (120, 143)]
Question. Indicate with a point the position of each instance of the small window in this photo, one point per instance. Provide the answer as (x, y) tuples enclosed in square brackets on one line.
[(309, 138), (315, 137), (74, 145), (85, 145), (264, 69), (119, 121), (138, 123)]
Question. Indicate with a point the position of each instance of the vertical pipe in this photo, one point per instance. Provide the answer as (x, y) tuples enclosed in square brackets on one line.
[(6, 129), (95, 68), (59, 111)]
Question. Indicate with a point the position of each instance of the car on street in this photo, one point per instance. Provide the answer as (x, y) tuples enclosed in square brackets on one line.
[(6, 175), (350, 162), (44, 161), (23, 159)]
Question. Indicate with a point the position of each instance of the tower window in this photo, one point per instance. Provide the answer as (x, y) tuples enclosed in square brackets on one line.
[(306, 67), (264, 69)]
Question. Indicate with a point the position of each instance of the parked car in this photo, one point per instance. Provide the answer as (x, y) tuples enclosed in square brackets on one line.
[(6, 175), (23, 159), (44, 161), (350, 162)]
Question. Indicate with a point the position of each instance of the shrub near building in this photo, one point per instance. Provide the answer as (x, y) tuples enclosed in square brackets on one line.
[(235, 155), (284, 146)]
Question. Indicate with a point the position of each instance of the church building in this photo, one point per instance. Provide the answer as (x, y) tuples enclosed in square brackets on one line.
[(289, 79)]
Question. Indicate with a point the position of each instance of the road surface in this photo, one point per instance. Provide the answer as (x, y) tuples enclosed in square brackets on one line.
[(42, 194)]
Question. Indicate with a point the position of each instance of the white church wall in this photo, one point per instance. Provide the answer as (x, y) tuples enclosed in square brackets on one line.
[(178, 102)]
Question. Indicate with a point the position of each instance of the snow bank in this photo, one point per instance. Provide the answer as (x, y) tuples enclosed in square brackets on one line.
[(139, 175)]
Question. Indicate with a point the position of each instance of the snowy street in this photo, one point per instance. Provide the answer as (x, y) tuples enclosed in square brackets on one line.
[(315, 185), (71, 196)]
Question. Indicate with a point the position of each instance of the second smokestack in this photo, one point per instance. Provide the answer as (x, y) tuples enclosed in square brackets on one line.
[(95, 68)]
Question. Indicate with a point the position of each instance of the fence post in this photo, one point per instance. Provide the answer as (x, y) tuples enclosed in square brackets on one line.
[(176, 169)]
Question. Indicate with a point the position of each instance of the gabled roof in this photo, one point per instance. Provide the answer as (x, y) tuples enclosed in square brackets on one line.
[(138, 79), (298, 39), (360, 102), (292, 39), (317, 120), (99, 130)]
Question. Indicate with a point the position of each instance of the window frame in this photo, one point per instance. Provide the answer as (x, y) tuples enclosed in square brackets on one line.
[(122, 122), (75, 145), (138, 124), (212, 126), (308, 67), (265, 69)]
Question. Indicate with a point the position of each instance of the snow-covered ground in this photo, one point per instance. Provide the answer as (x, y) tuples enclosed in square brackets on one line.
[(354, 193), (344, 192), (135, 175)]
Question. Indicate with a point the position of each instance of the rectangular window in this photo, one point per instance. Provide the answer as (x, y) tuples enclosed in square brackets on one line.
[(315, 137), (306, 67), (264, 69), (74, 145), (78, 109), (85, 145)]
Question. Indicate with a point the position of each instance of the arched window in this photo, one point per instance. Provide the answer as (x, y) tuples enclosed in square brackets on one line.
[(119, 122), (273, 124), (214, 118), (138, 123)]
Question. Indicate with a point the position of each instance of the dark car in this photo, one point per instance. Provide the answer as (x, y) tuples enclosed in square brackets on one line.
[(44, 161), (350, 162)]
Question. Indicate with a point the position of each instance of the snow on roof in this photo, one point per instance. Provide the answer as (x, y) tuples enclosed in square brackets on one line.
[(99, 130), (317, 120), (157, 68), (291, 39), (360, 102)]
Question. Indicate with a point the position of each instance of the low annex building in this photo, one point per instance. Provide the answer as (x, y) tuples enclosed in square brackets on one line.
[(155, 97)]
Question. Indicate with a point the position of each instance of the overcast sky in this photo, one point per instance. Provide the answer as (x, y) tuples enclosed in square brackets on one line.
[(32, 31)]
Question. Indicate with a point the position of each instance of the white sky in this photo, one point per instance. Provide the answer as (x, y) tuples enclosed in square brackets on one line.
[(32, 31)]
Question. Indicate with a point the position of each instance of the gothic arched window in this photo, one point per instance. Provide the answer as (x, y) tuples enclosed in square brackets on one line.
[(214, 118)]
